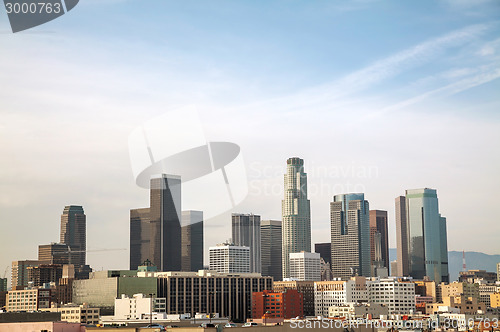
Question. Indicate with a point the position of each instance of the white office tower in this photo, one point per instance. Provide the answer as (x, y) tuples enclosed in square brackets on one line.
[(228, 258), (305, 266), (296, 224)]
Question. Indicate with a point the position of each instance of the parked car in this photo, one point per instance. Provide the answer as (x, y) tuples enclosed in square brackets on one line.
[(250, 324), (230, 325)]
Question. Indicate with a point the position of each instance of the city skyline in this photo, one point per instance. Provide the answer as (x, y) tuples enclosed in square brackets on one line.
[(414, 95)]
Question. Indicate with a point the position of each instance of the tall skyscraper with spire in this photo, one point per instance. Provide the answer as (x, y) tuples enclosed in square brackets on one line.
[(422, 231), (74, 232), (296, 211)]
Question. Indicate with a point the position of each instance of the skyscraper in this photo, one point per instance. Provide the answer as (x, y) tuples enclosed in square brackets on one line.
[(155, 233), (324, 250), (350, 236), (139, 237), (296, 224), (379, 239), (74, 232), (426, 236), (246, 232), (401, 237), (270, 238), (192, 241)]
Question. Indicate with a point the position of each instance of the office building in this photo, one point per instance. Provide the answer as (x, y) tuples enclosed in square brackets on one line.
[(296, 224), (229, 295), (44, 273), (306, 288), (333, 293), (74, 232), (139, 306), (324, 250), (472, 276), (155, 233), (192, 241), (305, 266), (396, 294), (103, 287), (459, 288), (326, 270), (354, 311), (403, 264), (460, 303), (485, 291), (379, 239), (32, 299), (426, 239), (57, 253), (19, 273), (271, 246), (228, 258), (350, 236), (246, 233), (270, 304), (74, 313)]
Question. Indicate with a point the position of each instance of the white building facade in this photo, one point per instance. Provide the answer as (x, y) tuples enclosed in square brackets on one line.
[(305, 266), (228, 258), (396, 294), (334, 293)]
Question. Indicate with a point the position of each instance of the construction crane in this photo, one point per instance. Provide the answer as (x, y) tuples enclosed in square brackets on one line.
[(5, 273)]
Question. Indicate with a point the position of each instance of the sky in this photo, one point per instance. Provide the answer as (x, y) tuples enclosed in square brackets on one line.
[(375, 96)]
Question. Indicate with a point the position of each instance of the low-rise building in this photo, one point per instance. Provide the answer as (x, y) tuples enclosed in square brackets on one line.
[(495, 300), (471, 276), (460, 288), (75, 313), (333, 293), (138, 306), (306, 288), (358, 310), (485, 290), (31, 299), (270, 304), (459, 304)]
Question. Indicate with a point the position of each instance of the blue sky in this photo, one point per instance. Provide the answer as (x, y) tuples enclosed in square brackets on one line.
[(404, 90)]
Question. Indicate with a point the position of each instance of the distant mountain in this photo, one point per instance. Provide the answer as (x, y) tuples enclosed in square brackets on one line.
[(475, 261)]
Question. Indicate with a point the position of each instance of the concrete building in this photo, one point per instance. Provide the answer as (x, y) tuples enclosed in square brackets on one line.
[(326, 270), (19, 273), (379, 240), (229, 295), (459, 304), (396, 294), (354, 311), (296, 212), (350, 235), (155, 233), (426, 288), (104, 287), (74, 313), (138, 306), (485, 291), (495, 300), (459, 288), (271, 247), (56, 253), (270, 304), (74, 233), (192, 241), (228, 258), (31, 299), (305, 266), (324, 250), (306, 288), (44, 273), (246, 233), (394, 269), (472, 276), (426, 236), (333, 293)]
